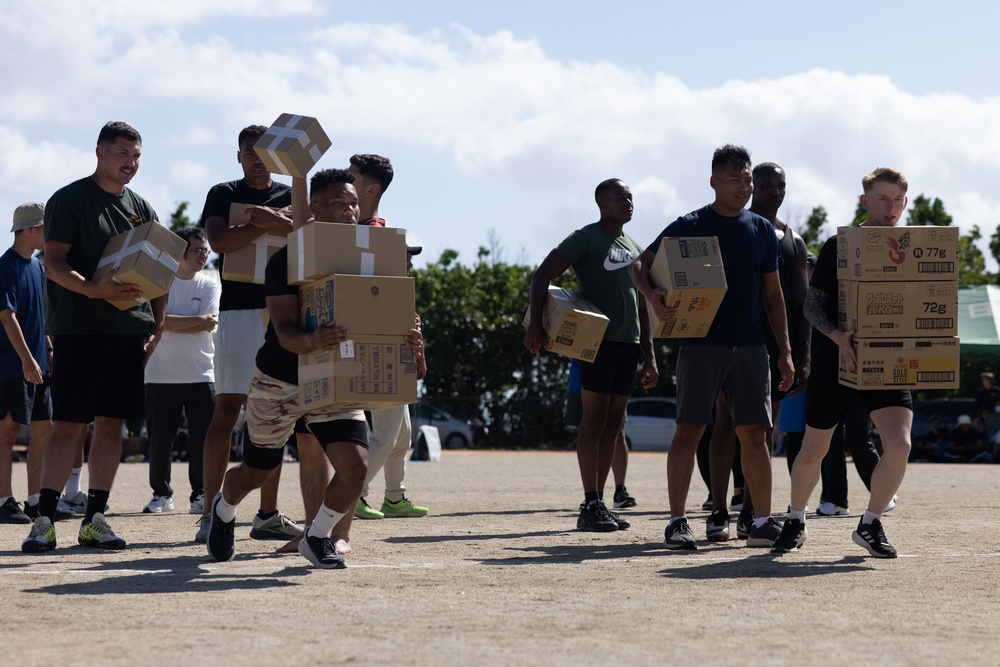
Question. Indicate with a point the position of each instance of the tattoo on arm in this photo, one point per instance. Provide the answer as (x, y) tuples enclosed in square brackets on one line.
[(815, 311)]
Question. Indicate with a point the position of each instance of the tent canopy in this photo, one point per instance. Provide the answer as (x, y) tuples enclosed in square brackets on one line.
[(979, 319)]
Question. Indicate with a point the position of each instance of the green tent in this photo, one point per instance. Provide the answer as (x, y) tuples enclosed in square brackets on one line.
[(979, 320)]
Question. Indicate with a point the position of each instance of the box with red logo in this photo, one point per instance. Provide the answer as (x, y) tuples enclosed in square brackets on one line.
[(897, 253), (900, 308), (690, 269)]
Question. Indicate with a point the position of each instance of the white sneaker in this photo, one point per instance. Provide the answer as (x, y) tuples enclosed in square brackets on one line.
[(204, 522), (158, 505), (198, 505), (829, 509), (892, 505), (77, 504)]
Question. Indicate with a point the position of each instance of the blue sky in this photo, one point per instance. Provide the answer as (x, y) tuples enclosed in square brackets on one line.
[(500, 118)]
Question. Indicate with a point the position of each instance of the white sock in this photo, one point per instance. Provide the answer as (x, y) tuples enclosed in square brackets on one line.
[(799, 515), (73, 483), (224, 510), (322, 525), (760, 521), (33, 499), (870, 516), (675, 519)]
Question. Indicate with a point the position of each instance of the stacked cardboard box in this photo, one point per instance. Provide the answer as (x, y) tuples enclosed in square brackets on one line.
[(898, 291), (690, 270)]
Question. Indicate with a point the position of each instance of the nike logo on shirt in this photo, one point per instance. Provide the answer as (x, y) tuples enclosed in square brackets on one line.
[(614, 266)]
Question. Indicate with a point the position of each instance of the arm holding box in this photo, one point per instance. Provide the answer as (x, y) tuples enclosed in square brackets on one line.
[(799, 326), (284, 312), (639, 272), (815, 311), (222, 238), (551, 268), (58, 270)]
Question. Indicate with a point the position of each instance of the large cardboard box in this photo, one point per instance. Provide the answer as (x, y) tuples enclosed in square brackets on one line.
[(897, 253), (690, 270), (247, 264), (292, 145), (321, 248), (372, 369), (147, 256), (573, 326), (903, 363), (893, 309)]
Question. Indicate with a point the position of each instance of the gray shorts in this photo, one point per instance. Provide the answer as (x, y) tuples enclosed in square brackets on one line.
[(237, 339), (742, 374)]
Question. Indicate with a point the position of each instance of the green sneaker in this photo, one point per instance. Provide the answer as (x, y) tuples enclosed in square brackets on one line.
[(402, 509), (98, 533), (365, 511), (41, 538)]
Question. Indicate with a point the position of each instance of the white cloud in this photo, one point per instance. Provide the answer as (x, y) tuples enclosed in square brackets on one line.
[(185, 172)]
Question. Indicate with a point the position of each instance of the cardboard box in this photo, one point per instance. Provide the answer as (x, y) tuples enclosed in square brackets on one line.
[(903, 363), (148, 256), (247, 264), (292, 145), (321, 248), (372, 369), (573, 327), (897, 253), (690, 270), (894, 309)]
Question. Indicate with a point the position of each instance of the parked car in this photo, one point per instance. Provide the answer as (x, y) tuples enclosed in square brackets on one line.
[(454, 433), (651, 423)]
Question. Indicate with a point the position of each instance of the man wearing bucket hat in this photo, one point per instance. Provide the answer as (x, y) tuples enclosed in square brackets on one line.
[(23, 345)]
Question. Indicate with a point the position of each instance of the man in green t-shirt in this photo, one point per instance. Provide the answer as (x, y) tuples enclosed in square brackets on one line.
[(600, 255), (99, 350)]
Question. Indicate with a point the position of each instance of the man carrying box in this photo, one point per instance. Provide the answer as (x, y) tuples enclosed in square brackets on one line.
[(241, 327), (828, 401), (100, 350), (732, 358), (600, 255)]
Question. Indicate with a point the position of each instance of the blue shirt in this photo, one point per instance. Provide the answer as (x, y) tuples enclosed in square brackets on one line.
[(22, 284)]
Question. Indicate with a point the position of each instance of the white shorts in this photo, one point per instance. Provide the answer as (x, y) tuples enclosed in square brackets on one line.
[(239, 336)]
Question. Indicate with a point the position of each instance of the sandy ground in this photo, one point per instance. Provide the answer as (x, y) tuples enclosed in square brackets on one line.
[(497, 574)]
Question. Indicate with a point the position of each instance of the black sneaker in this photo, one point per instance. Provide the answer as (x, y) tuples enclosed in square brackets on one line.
[(31, 511), (320, 552), (221, 535), (793, 536), (678, 535), (764, 536), (736, 502), (708, 504), (622, 499), (10, 512), (744, 524), (717, 529), (595, 518), (623, 524), (872, 537)]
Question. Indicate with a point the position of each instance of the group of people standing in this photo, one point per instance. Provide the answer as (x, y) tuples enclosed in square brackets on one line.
[(773, 336)]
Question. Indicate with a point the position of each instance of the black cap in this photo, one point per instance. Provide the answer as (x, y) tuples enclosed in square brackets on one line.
[(414, 250)]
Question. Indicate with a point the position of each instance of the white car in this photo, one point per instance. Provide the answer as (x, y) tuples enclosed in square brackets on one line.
[(454, 433), (651, 423)]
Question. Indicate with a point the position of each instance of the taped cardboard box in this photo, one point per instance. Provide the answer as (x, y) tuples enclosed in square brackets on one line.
[(148, 256), (321, 248), (247, 264), (893, 309), (384, 305), (367, 372), (903, 363), (292, 145), (897, 253), (573, 326), (690, 269)]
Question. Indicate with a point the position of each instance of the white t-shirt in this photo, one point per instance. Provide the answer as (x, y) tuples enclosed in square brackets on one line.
[(186, 358)]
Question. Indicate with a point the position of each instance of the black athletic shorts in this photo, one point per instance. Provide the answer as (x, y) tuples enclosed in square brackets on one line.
[(16, 397), (41, 408), (828, 401), (613, 370), (327, 432), (98, 375)]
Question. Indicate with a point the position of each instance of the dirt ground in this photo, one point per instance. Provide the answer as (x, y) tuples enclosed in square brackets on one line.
[(498, 575)]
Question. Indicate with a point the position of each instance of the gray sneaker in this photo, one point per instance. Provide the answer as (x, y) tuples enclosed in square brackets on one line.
[(678, 535), (201, 537), (275, 527)]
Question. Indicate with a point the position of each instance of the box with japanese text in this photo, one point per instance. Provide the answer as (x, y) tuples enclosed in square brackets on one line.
[(691, 271)]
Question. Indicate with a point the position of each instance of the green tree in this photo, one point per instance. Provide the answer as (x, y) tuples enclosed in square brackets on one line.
[(179, 218), (923, 211), (860, 215), (812, 231), (971, 262)]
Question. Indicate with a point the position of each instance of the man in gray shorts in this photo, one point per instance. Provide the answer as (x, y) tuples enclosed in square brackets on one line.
[(732, 358)]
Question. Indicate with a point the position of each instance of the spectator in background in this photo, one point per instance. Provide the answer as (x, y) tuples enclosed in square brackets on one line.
[(988, 395), (180, 376), (966, 443)]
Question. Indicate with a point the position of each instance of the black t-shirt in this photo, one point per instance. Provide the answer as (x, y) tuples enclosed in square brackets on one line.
[(273, 359), (237, 295), (824, 278)]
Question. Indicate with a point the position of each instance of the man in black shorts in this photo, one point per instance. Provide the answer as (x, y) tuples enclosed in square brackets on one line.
[(100, 351), (600, 255), (273, 409), (828, 401)]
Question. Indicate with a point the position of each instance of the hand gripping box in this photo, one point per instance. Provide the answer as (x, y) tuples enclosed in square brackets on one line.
[(372, 369), (148, 256), (321, 248), (690, 270), (292, 145), (247, 264), (903, 363), (893, 309), (897, 253), (573, 327)]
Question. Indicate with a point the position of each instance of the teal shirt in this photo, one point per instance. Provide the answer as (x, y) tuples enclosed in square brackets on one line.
[(601, 263), (86, 217)]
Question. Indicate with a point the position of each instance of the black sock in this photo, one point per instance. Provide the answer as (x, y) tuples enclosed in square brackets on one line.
[(97, 503), (620, 488), (261, 514), (47, 501), (591, 496)]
